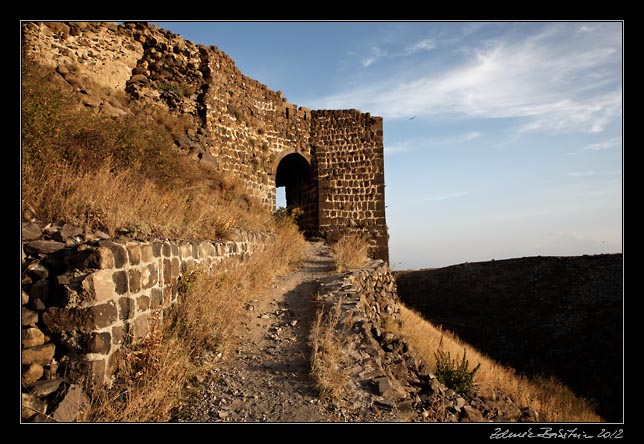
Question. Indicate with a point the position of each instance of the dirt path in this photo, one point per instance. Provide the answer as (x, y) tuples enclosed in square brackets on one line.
[(266, 377)]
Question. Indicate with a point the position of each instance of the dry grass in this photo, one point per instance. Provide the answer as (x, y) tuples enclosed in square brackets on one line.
[(154, 374), (121, 173), (552, 401), (351, 252), (327, 354), (115, 200)]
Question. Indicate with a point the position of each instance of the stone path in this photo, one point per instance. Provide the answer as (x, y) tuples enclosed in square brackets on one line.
[(266, 378)]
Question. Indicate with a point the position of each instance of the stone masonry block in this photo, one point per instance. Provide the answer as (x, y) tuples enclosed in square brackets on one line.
[(167, 271), (206, 250), (143, 302), (176, 268), (119, 252), (141, 326), (120, 279), (149, 276), (186, 251), (147, 253), (101, 316), (99, 343), (156, 297), (156, 248), (127, 309), (95, 370), (118, 334), (100, 285), (103, 258), (134, 280), (134, 253)]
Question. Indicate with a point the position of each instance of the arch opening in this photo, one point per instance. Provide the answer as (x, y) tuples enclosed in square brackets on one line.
[(295, 174)]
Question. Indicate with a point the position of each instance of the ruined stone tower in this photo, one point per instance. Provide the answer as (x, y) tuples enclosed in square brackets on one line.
[(330, 161)]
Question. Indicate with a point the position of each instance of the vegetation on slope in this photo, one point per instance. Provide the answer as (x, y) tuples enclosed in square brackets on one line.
[(351, 252), (122, 173), (550, 399)]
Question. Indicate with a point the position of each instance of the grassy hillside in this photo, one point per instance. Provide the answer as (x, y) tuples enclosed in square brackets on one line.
[(558, 317), (120, 173)]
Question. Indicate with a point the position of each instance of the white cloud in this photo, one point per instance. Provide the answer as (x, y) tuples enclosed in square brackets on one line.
[(582, 173), (469, 136), (441, 197), (423, 45), (555, 81), (397, 147), (585, 28), (375, 53), (605, 145), (594, 173)]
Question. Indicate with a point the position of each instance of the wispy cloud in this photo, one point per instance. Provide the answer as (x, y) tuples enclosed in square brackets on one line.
[(605, 145), (585, 28), (582, 173), (469, 136), (447, 196), (422, 45), (594, 173), (397, 147), (555, 80), (375, 53)]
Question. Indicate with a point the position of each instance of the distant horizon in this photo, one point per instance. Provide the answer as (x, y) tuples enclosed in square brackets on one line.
[(504, 259), (502, 139)]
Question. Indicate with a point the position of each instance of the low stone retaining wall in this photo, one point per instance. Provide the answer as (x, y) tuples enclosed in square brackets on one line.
[(83, 299)]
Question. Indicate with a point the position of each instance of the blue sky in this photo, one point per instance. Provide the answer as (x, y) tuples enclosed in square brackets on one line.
[(502, 139)]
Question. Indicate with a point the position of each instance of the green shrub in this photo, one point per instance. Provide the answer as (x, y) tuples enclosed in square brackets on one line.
[(453, 374)]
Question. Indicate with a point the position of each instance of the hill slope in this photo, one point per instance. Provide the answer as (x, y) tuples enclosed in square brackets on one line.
[(555, 316)]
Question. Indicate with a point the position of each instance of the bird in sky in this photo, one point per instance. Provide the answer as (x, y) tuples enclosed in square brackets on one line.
[(412, 117)]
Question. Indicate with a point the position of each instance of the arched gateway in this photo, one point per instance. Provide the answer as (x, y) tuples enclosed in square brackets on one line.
[(294, 172)]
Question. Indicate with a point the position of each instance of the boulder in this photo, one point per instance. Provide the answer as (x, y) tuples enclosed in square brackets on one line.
[(32, 373), (32, 336), (41, 389), (40, 354), (29, 317), (73, 406), (43, 247), (470, 414), (32, 405), (31, 231)]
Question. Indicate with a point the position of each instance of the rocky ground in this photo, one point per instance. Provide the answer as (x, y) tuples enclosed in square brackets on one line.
[(266, 377)]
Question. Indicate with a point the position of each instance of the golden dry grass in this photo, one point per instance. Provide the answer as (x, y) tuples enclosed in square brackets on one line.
[(154, 374), (327, 354), (121, 173), (113, 200), (551, 400), (351, 252)]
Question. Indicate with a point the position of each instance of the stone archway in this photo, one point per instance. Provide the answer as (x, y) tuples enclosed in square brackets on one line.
[(293, 171)]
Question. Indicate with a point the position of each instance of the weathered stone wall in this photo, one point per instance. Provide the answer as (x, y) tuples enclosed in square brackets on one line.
[(349, 166), (235, 123), (82, 300)]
